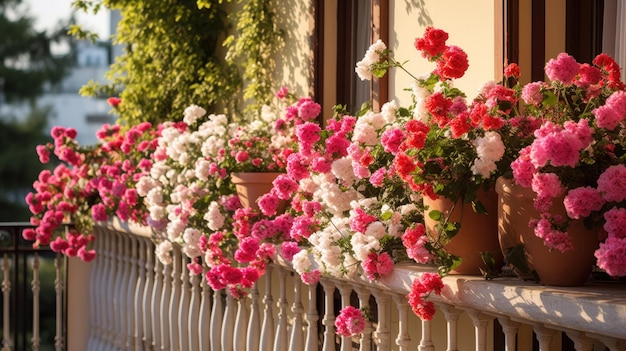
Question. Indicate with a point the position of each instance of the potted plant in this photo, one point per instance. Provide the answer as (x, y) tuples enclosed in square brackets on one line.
[(572, 171)]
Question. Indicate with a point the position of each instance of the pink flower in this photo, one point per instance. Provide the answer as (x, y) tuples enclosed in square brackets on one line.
[(99, 212), (311, 277), (377, 265), (547, 185), (607, 117), (612, 183), (391, 140), (308, 133), (420, 290), (268, 203), (288, 249), (308, 109), (284, 186), (615, 222), (297, 167), (531, 93), (282, 92), (563, 69), (378, 177), (580, 202), (552, 238), (361, 220), (350, 321), (612, 256)]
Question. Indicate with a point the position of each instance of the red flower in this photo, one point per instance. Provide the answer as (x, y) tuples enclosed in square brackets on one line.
[(433, 43), (512, 70), (453, 63), (114, 101)]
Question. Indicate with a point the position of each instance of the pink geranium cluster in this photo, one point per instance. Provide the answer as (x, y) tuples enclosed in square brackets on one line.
[(350, 321), (349, 206), (87, 184), (577, 155), (421, 289)]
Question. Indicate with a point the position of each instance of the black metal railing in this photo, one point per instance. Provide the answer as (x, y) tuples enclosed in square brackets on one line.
[(33, 281)]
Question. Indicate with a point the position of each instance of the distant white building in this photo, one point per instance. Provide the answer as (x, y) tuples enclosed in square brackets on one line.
[(70, 109)]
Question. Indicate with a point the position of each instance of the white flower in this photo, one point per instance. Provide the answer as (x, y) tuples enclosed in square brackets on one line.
[(483, 167), (163, 252), (191, 236), (301, 261), (365, 133), (155, 196), (215, 219), (364, 67), (145, 184), (490, 146), (157, 213), (175, 229), (388, 111), (192, 251), (342, 169), (192, 114), (202, 169), (376, 229)]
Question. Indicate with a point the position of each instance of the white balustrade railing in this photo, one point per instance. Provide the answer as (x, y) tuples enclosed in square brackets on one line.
[(139, 304)]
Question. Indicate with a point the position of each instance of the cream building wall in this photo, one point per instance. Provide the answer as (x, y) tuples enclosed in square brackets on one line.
[(470, 25)]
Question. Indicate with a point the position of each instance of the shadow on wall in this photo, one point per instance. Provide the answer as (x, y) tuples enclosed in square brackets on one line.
[(419, 6), (296, 59)]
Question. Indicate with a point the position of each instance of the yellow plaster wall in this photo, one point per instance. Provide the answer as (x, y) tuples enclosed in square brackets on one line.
[(471, 26)]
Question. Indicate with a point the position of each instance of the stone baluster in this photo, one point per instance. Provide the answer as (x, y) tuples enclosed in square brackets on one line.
[(204, 321), (174, 329), (59, 340), (282, 338), (544, 336), (329, 315), (194, 312), (146, 298), (109, 286), (267, 330), (345, 291), (183, 304), (296, 341), (614, 344), (364, 300), (125, 312), (254, 324), (119, 322), (312, 339), (241, 325), (381, 335), (509, 328), (130, 291), (481, 321), (155, 305), (403, 339), (164, 310), (95, 277), (36, 288), (217, 313), (452, 317), (138, 298), (582, 342), (426, 343), (228, 325)]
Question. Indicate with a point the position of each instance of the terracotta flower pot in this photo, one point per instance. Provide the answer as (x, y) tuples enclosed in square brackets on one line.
[(478, 232), (551, 267), (252, 185)]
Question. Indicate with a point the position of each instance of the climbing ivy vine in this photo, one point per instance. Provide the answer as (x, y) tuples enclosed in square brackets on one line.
[(175, 53)]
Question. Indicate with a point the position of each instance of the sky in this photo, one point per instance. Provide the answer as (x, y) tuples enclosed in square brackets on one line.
[(48, 12)]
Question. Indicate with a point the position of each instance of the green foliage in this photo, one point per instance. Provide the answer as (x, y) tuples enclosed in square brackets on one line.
[(173, 56), (26, 61), (19, 164), (256, 41)]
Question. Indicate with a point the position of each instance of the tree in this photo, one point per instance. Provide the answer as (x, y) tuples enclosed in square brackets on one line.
[(27, 68)]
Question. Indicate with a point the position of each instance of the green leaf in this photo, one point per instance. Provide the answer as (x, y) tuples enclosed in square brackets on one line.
[(435, 215)]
